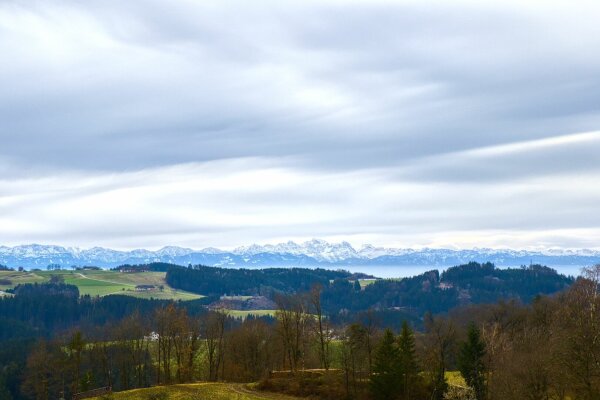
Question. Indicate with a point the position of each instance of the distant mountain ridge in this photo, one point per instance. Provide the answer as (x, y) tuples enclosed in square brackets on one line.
[(313, 253)]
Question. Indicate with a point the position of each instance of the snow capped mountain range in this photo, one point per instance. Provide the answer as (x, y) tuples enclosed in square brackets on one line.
[(315, 253), (320, 250)]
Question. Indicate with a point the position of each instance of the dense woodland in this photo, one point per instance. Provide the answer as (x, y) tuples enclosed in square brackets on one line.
[(217, 281), (343, 297), (525, 333)]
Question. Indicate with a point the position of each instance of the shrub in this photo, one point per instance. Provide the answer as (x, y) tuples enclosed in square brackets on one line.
[(459, 393)]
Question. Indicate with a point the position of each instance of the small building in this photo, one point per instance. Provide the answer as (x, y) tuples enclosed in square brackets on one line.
[(144, 288), (445, 285)]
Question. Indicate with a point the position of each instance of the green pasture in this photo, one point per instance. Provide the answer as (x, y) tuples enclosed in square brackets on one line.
[(244, 313), (365, 282), (167, 293), (94, 287), (102, 283), (17, 278)]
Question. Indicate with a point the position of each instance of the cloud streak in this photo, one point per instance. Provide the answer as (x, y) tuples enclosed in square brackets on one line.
[(223, 123)]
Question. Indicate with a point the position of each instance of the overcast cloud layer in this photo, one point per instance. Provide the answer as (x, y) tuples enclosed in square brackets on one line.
[(152, 123)]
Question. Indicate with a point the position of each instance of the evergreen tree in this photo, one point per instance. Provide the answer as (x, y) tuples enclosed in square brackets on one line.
[(76, 346), (4, 392), (385, 379), (357, 287), (470, 361), (408, 368)]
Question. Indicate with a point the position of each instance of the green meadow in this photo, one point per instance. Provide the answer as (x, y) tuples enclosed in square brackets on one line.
[(245, 313), (101, 283)]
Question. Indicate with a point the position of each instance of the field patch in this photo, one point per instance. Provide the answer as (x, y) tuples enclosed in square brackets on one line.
[(244, 313), (137, 278), (366, 282), (167, 293)]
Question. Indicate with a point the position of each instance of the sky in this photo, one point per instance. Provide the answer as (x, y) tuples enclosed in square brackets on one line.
[(403, 124)]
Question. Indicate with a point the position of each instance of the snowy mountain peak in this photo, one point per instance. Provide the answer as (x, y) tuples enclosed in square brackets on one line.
[(314, 252), (318, 249), (174, 251)]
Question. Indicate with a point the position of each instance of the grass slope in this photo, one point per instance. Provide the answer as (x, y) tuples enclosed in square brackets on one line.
[(365, 282), (19, 277), (197, 391), (103, 283)]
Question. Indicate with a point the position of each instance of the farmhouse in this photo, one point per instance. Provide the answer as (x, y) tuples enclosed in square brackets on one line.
[(144, 288)]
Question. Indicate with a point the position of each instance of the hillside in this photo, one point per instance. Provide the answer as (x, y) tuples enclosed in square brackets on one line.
[(471, 283), (197, 391), (102, 283), (433, 291)]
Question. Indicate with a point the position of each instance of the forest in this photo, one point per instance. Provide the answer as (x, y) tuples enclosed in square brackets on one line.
[(409, 298), (472, 332)]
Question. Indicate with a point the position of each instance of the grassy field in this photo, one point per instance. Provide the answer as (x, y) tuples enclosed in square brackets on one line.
[(141, 278), (18, 277), (218, 391), (103, 283), (167, 294), (245, 313), (366, 282), (197, 391)]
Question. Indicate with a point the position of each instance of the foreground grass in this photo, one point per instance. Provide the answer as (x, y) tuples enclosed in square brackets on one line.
[(197, 391)]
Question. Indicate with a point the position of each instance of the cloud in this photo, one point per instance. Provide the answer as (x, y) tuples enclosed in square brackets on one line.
[(227, 202), (559, 157), (144, 123)]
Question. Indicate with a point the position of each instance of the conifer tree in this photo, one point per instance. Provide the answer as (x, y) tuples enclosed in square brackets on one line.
[(470, 361), (408, 367), (385, 380), (4, 392)]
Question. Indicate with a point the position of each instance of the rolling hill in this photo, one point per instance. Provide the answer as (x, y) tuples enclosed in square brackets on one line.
[(102, 283), (198, 391)]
